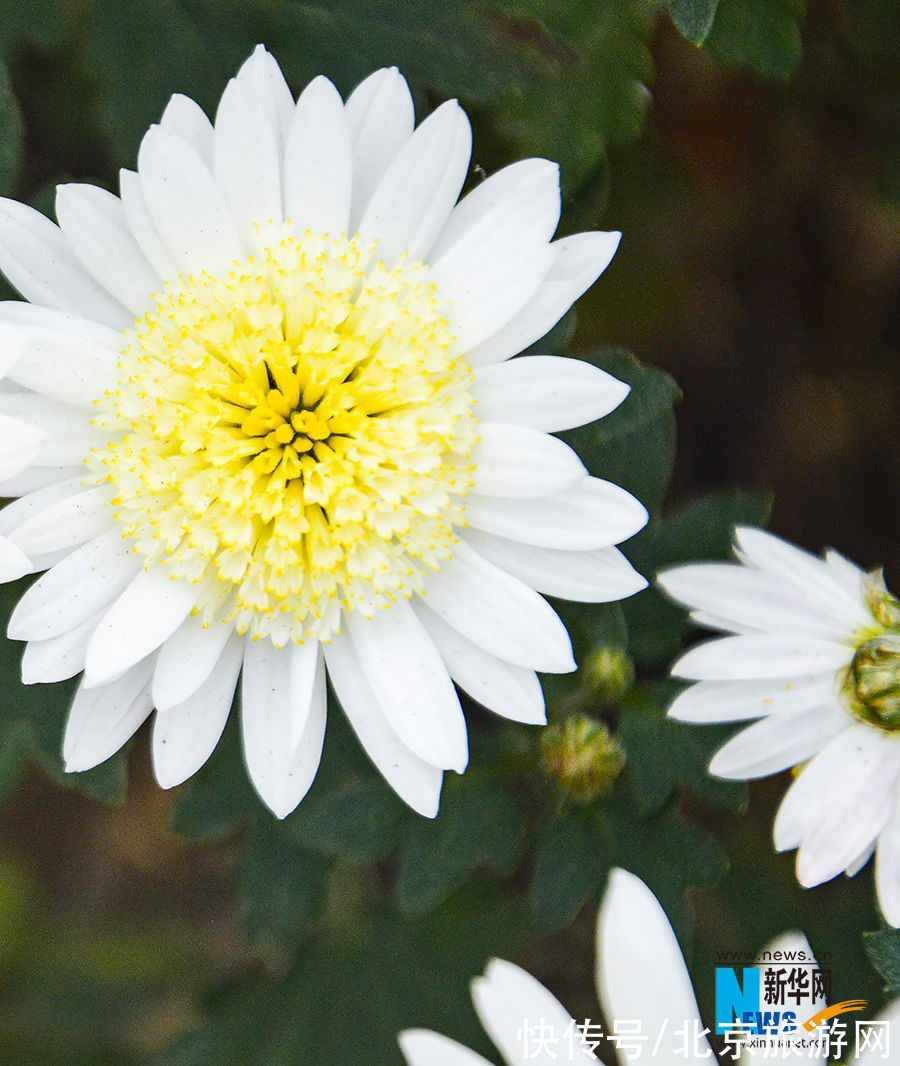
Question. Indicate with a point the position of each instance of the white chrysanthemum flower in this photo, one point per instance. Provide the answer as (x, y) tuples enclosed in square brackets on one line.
[(816, 657), (261, 417), (643, 986)]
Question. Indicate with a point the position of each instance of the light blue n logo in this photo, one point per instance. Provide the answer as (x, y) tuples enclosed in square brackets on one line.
[(733, 1001)]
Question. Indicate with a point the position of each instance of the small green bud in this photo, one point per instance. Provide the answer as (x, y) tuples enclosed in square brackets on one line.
[(871, 684), (607, 675), (884, 606), (582, 757)]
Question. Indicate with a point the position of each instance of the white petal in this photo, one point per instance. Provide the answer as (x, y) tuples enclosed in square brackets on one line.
[(380, 119), (500, 686), (306, 664), (185, 735), (597, 576), (39, 261), (38, 477), (263, 75), (415, 781), (186, 119), (94, 222), (13, 562), (640, 969), (848, 573), (148, 611), (59, 657), (498, 613), (317, 162), (15, 514), (281, 771), (246, 161), (64, 367), (760, 655), (480, 300), (777, 743), (508, 999), (414, 198), (187, 659), (751, 598), (103, 719), (813, 575), (887, 868), (498, 261), (857, 811), (68, 523), (594, 514), (530, 185), (812, 793), (137, 213), (33, 317), (75, 589), (13, 342), (70, 436), (515, 461), (546, 392), (20, 444), (734, 701), (185, 205), (411, 684), (579, 261), (422, 1048)]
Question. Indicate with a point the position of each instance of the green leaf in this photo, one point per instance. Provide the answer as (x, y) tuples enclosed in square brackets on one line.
[(568, 868), (477, 825), (42, 23), (577, 848), (634, 445), (663, 753), (693, 17), (762, 34), (10, 133), (703, 529), (592, 92), (356, 985), (883, 949), (282, 888), (360, 820)]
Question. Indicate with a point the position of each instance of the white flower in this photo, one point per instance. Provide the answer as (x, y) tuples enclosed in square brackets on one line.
[(816, 659), (643, 986), (261, 417)]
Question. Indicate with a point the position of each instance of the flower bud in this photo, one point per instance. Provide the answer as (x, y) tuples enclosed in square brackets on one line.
[(872, 681), (607, 675), (581, 757)]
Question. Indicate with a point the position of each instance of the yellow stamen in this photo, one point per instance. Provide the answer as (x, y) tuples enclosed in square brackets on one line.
[(298, 428)]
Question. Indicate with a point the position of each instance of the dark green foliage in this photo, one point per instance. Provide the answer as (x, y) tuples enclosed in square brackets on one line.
[(664, 753), (578, 846), (362, 979), (762, 34), (883, 949)]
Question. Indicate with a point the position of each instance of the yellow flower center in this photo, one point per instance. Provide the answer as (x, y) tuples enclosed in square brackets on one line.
[(295, 433)]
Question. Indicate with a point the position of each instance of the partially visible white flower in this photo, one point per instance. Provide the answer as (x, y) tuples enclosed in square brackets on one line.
[(641, 979), (262, 415), (816, 658)]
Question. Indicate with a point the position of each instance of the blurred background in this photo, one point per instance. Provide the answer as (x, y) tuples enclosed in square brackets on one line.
[(756, 182)]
